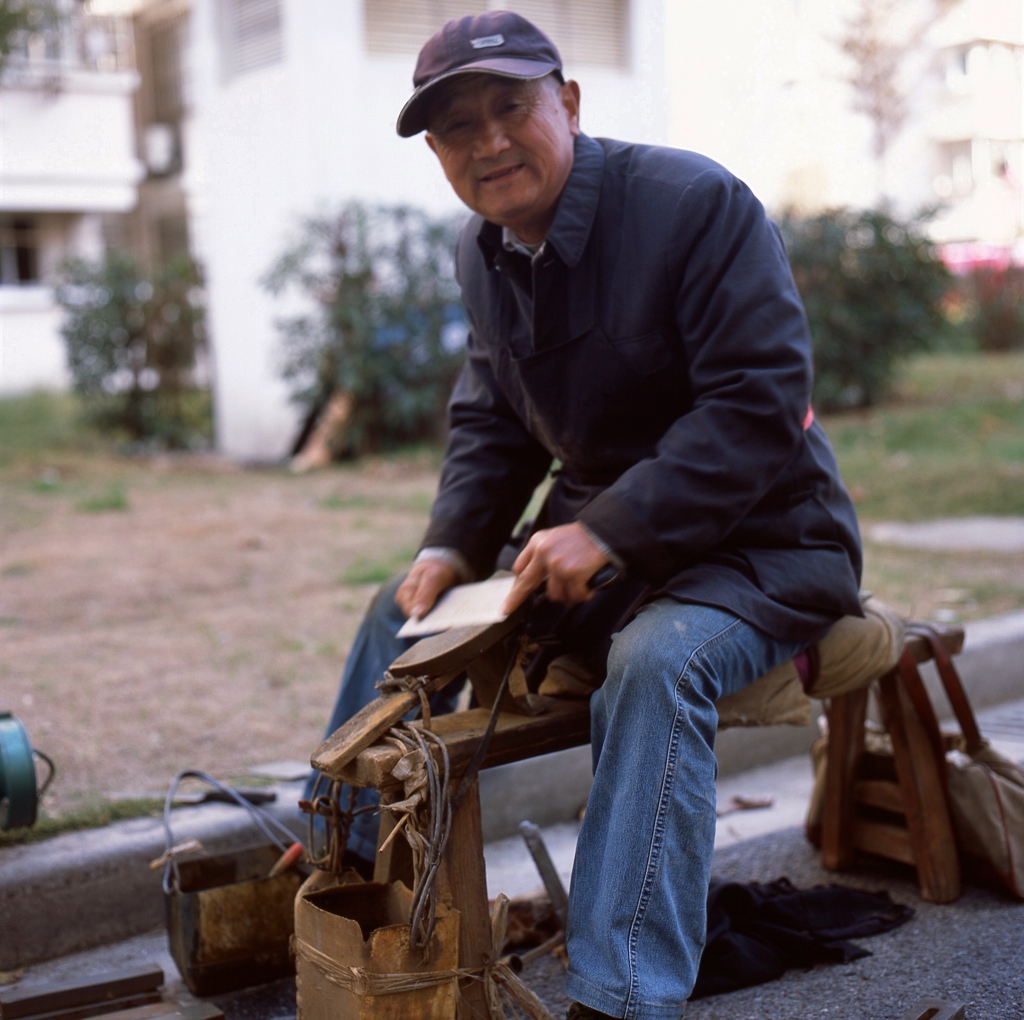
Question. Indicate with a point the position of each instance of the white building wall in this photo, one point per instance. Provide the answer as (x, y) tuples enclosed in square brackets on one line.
[(70, 146), (276, 144), (760, 86), (67, 158)]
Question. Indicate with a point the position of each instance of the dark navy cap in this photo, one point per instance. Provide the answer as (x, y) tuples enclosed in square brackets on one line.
[(497, 42)]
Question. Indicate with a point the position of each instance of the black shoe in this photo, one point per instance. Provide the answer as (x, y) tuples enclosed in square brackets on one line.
[(577, 1011)]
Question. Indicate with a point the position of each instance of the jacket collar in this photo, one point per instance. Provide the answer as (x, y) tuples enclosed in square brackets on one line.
[(577, 208)]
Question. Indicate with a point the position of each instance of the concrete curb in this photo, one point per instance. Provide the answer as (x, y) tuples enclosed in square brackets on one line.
[(91, 888)]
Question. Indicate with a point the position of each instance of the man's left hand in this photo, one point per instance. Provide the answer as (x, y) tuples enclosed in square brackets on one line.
[(566, 557)]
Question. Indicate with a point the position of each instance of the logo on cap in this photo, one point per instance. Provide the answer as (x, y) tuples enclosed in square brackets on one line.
[(483, 42)]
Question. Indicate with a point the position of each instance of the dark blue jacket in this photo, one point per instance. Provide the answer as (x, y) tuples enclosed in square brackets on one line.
[(658, 349)]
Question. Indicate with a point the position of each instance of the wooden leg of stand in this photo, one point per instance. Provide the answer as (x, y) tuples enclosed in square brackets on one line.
[(924, 799), (464, 881), (394, 863), (845, 749)]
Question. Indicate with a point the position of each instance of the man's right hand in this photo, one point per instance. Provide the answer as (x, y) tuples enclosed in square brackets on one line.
[(425, 583)]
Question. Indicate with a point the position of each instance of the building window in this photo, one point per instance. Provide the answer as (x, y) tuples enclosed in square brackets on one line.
[(586, 31), (955, 176), (19, 251), (253, 34)]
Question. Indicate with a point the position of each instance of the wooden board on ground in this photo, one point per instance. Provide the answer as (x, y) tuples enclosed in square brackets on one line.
[(73, 1000), (169, 1011)]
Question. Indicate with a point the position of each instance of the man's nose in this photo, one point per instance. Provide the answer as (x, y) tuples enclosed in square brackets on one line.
[(491, 140)]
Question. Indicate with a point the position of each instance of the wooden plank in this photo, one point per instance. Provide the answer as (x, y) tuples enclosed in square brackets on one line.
[(845, 750), (367, 725), (170, 1011), (879, 793), (952, 638), (564, 724), (892, 841), (152, 1011), (924, 797), (464, 884), (100, 988), (142, 1000), (394, 863)]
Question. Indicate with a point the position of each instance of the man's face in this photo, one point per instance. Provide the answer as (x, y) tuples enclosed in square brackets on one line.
[(506, 147)]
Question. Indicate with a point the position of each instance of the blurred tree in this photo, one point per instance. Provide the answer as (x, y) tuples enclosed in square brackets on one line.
[(879, 38), (873, 287), (21, 19), (387, 330), (134, 342)]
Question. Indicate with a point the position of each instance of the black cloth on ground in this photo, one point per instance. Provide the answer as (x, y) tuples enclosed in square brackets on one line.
[(758, 931)]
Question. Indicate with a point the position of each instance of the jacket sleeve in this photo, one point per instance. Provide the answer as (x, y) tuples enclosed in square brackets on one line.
[(491, 467), (743, 332)]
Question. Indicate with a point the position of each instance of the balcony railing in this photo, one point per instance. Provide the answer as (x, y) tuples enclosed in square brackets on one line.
[(78, 43)]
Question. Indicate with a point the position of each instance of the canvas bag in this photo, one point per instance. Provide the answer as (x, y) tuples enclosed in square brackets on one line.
[(986, 790)]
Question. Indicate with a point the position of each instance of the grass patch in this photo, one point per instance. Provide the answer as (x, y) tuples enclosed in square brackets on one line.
[(377, 571), (91, 815), (337, 501), (112, 500), (950, 443), (35, 425)]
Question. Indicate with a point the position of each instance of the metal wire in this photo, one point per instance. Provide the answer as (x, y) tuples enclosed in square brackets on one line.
[(429, 814), (263, 820), (337, 823), (53, 769)]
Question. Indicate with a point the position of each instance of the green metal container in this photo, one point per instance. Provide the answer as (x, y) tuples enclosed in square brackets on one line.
[(19, 797)]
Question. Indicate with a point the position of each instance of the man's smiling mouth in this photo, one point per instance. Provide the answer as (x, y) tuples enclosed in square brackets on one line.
[(501, 173)]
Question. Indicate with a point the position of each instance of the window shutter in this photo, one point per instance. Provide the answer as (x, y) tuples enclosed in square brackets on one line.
[(253, 35), (402, 26), (585, 31)]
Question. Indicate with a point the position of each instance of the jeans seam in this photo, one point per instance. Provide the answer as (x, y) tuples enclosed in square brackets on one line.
[(654, 853)]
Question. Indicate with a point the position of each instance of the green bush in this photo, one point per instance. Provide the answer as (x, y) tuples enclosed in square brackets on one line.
[(873, 287), (993, 307), (386, 330), (134, 343)]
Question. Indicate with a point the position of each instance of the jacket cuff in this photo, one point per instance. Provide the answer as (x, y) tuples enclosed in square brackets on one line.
[(452, 557), (613, 557), (619, 529)]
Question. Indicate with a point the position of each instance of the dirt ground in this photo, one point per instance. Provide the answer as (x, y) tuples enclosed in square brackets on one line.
[(189, 614), (171, 613)]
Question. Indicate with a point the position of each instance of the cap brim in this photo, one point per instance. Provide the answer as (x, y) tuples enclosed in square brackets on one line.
[(413, 118)]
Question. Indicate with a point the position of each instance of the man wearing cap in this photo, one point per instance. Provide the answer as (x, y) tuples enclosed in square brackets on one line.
[(632, 317)]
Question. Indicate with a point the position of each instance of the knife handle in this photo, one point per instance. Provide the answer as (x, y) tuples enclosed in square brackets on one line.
[(604, 577)]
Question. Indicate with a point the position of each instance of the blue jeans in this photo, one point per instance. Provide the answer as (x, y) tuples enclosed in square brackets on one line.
[(637, 904)]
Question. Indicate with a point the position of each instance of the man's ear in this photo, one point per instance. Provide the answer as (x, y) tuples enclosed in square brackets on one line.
[(570, 97), (431, 143)]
